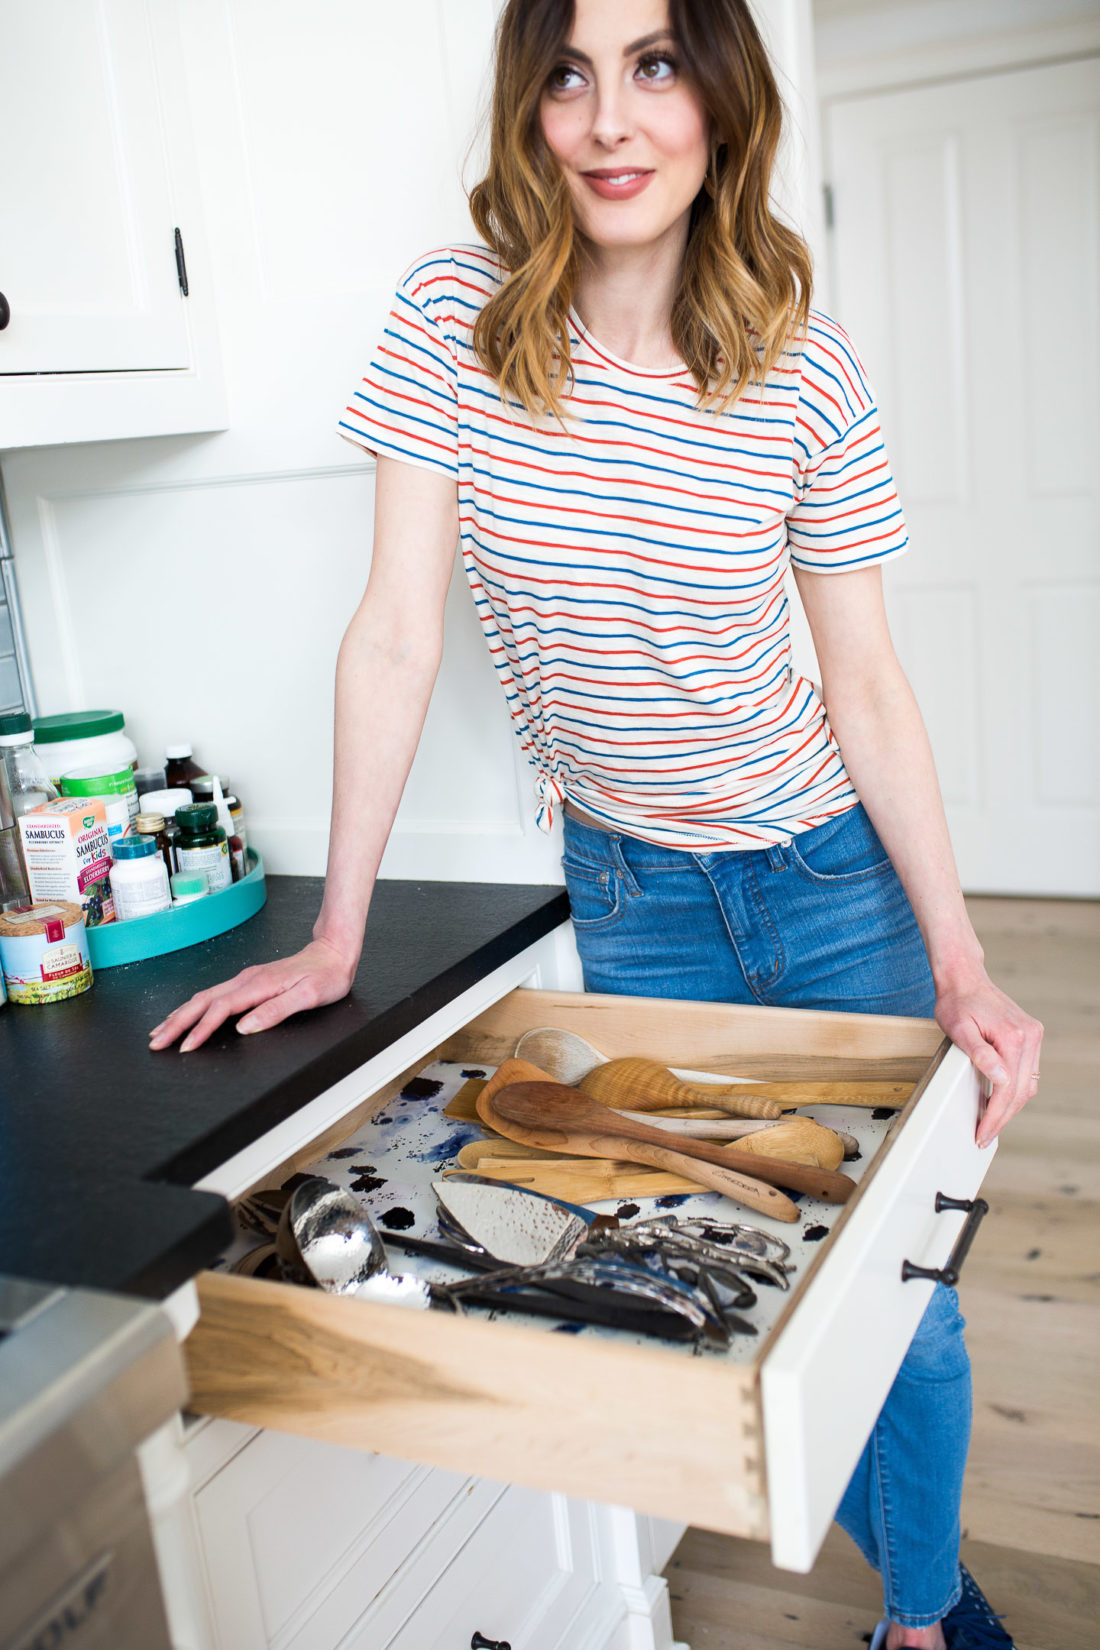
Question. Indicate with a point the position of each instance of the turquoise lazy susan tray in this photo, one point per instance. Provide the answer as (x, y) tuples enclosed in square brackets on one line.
[(112, 943)]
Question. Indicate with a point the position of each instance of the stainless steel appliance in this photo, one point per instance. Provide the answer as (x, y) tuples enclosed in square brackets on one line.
[(84, 1378)]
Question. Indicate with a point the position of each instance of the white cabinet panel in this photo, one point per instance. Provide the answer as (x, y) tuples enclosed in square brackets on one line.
[(88, 265)]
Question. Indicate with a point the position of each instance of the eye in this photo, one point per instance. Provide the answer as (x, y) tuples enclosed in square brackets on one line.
[(565, 77), (657, 68)]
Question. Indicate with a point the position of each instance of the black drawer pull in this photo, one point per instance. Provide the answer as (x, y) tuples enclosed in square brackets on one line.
[(975, 1211), (480, 1642), (5, 312)]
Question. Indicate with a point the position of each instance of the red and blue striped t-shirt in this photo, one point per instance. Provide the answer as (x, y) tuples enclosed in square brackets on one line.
[(628, 570)]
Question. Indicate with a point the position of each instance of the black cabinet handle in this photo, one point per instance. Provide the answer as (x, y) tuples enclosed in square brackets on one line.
[(5, 312), (975, 1210), (480, 1642)]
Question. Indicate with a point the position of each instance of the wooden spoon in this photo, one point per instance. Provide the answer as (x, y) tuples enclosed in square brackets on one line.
[(636, 1084), (545, 1113), (548, 1115), (537, 1105), (799, 1140), (568, 1057)]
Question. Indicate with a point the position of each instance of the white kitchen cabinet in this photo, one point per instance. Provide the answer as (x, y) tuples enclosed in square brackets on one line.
[(101, 229)]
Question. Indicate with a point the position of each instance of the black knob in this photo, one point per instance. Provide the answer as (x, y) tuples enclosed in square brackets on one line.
[(5, 312), (480, 1642)]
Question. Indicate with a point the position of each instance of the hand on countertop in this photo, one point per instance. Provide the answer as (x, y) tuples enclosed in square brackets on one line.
[(272, 992)]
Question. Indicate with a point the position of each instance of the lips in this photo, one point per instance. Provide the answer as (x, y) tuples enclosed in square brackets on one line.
[(617, 184)]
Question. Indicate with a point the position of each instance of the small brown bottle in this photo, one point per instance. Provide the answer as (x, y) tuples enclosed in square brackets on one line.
[(180, 767), (154, 825)]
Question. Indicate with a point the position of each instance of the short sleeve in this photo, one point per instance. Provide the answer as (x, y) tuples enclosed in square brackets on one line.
[(846, 513), (406, 405)]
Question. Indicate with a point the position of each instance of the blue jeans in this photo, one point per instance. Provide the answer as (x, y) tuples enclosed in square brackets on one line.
[(820, 923)]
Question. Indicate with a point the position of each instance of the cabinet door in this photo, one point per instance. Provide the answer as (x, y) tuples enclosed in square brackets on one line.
[(87, 249)]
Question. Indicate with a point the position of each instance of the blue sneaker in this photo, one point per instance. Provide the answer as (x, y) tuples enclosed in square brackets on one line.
[(968, 1625), (971, 1623)]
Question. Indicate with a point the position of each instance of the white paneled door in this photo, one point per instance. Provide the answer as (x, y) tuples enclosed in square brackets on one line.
[(966, 265)]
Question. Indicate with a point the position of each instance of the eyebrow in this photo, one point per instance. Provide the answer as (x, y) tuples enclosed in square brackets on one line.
[(628, 51)]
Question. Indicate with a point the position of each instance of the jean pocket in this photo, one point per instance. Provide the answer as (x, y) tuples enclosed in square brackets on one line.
[(595, 894), (842, 850)]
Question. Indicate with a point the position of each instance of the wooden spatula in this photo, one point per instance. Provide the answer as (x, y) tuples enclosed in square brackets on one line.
[(583, 1179), (572, 1116), (545, 1115)]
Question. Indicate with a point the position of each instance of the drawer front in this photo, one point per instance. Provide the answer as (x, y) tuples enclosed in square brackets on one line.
[(527, 1575), (648, 1427), (828, 1373), (667, 1434), (299, 1538)]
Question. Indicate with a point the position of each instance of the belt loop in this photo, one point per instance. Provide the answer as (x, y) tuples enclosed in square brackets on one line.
[(778, 857), (633, 886)]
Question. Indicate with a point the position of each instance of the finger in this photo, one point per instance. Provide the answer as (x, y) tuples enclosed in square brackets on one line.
[(278, 1008), (222, 1009), (240, 993)]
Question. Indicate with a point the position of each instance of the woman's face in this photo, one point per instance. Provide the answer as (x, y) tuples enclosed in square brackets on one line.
[(627, 128)]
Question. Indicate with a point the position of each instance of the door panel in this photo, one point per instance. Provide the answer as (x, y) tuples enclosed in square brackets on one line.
[(86, 216), (966, 252)]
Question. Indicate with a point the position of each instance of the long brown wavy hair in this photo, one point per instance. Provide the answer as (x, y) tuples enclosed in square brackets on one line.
[(746, 279)]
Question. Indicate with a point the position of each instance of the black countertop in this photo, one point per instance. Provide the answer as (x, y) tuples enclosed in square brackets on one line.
[(101, 1140)]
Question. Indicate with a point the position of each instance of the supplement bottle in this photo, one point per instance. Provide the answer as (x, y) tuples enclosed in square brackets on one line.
[(153, 825), (28, 786), (139, 881), (149, 779), (116, 789), (188, 886), (15, 890), (202, 845), (180, 767), (80, 737)]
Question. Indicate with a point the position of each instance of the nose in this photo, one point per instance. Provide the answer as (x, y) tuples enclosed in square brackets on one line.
[(611, 124)]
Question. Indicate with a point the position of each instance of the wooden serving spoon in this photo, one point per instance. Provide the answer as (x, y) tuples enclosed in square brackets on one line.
[(637, 1084), (567, 1057), (544, 1115), (548, 1114), (541, 1104)]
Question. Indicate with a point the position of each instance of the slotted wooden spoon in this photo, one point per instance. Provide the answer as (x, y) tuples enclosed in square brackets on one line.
[(568, 1057)]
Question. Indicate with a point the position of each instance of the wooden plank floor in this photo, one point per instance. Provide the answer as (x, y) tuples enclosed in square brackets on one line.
[(1030, 1289)]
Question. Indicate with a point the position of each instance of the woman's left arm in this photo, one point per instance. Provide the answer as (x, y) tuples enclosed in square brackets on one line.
[(876, 722)]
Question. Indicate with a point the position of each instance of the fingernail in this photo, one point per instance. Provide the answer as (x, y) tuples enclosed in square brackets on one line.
[(245, 1026), (186, 1046), (984, 1140), (999, 1074)]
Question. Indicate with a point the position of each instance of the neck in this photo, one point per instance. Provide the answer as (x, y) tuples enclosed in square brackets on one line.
[(624, 296)]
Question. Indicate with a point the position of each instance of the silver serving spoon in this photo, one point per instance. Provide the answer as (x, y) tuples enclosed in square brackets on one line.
[(339, 1247)]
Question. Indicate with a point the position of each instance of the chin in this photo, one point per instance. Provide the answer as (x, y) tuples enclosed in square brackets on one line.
[(623, 229)]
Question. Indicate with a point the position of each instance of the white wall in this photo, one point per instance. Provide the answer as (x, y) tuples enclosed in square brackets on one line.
[(202, 583)]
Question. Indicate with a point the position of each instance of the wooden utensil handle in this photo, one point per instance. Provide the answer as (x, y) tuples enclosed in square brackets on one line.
[(789, 1095), (826, 1184), (764, 1199)]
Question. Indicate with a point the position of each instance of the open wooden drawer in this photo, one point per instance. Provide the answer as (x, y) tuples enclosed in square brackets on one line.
[(755, 1448)]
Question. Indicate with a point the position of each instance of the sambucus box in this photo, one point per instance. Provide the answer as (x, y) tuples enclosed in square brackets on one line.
[(67, 850)]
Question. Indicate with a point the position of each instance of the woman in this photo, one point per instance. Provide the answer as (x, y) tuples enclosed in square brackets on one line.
[(625, 402)]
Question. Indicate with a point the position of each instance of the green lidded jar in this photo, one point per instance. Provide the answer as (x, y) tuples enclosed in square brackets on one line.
[(202, 845)]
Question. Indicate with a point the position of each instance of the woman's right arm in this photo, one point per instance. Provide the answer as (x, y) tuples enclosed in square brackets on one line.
[(386, 668)]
